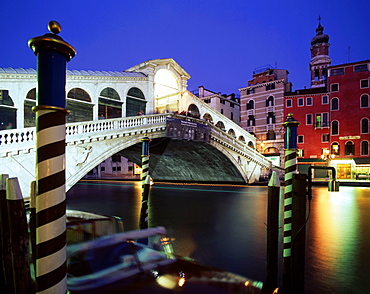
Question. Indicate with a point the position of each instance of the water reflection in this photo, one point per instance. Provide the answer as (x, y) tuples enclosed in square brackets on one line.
[(335, 239), (225, 227)]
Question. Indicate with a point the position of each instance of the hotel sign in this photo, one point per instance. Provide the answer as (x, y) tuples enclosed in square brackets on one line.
[(349, 137)]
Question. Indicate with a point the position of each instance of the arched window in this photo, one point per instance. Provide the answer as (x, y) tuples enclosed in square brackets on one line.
[(29, 118), (334, 128), (135, 102), (241, 138), (364, 100), (207, 117), (250, 104), (364, 148), (7, 111), (270, 101), (335, 148), (334, 104), (349, 148), (193, 111), (220, 125), (364, 126), (231, 132), (79, 105), (250, 144)]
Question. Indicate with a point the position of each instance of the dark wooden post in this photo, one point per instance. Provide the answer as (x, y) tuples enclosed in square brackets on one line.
[(299, 232)]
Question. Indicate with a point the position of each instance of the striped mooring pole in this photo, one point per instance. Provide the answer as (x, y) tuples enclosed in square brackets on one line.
[(290, 147), (51, 250), (145, 180)]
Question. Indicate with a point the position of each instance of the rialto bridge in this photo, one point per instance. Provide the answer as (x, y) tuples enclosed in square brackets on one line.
[(203, 146)]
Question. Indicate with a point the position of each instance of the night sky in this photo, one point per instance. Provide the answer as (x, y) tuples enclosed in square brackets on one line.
[(219, 43)]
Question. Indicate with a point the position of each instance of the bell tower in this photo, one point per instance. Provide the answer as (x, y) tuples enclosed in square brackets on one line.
[(320, 60)]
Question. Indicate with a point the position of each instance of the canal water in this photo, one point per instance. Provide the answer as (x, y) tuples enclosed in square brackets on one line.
[(224, 226)]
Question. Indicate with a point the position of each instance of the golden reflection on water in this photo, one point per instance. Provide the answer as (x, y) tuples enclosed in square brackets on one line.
[(334, 230)]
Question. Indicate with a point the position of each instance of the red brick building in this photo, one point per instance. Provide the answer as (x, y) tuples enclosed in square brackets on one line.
[(334, 114)]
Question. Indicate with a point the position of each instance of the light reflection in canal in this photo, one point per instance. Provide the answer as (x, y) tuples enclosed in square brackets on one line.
[(225, 226)]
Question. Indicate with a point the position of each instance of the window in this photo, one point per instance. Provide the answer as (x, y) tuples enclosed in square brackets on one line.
[(270, 87), (270, 135), (334, 104), (270, 118), (360, 68), (349, 148), (222, 111), (364, 84), (324, 100), (308, 119), (335, 148), (251, 121), (325, 138), (364, 148), (232, 116), (250, 91), (309, 101), (321, 120), (335, 128), (300, 139), (300, 102), (289, 103), (364, 126), (250, 104), (102, 168), (337, 72), (364, 101), (300, 152), (270, 101), (334, 87)]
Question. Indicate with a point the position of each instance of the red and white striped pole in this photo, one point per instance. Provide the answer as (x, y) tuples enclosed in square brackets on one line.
[(51, 255), (145, 179), (290, 142)]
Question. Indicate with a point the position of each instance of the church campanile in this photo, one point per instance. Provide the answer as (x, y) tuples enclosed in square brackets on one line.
[(320, 60)]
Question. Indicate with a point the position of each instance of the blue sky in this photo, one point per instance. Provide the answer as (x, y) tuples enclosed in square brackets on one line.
[(219, 43)]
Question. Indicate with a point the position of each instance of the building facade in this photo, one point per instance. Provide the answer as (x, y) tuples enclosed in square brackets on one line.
[(262, 110), (228, 105), (333, 114)]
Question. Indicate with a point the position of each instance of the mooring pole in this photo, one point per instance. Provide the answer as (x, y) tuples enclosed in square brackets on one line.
[(19, 238), (6, 268), (145, 179), (290, 142), (51, 255), (272, 231), (299, 232)]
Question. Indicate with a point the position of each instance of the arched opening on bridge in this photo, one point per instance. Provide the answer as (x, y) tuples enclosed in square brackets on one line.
[(80, 106), (231, 132), (242, 139), (193, 111), (110, 104), (207, 117), (221, 125), (135, 102), (250, 144), (166, 91), (29, 118), (8, 114)]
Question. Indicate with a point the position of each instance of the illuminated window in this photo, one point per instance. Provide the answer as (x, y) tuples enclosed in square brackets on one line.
[(335, 148)]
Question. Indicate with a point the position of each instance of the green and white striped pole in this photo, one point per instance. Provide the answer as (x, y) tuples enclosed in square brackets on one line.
[(51, 249), (290, 142), (145, 179)]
